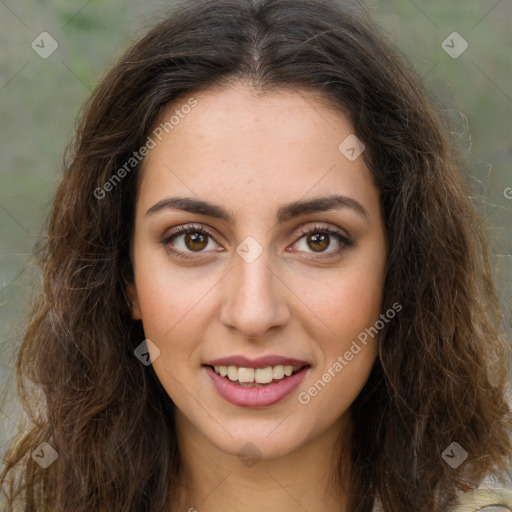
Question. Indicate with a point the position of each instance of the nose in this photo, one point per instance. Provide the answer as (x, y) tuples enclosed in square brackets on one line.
[(254, 300)]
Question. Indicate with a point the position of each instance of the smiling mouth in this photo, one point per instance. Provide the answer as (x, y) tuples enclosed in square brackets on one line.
[(256, 377)]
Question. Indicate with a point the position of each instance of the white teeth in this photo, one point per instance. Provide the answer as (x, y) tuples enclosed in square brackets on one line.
[(263, 375), (232, 373), (246, 374), (256, 375), (278, 371)]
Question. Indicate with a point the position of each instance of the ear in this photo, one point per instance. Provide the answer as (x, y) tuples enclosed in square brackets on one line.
[(134, 301)]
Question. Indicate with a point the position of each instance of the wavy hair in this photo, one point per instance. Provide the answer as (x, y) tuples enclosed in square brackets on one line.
[(440, 372)]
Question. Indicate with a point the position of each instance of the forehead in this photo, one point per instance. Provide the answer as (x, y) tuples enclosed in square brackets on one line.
[(235, 144)]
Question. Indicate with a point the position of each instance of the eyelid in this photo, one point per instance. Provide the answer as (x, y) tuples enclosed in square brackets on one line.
[(186, 228), (324, 227)]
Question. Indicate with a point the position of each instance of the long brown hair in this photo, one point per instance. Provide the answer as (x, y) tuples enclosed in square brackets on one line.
[(440, 373)]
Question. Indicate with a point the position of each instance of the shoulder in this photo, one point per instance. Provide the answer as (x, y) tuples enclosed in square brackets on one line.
[(484, 497), (475, 500)]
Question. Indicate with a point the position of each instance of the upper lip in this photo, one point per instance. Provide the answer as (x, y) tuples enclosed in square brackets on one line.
[(259, 362)]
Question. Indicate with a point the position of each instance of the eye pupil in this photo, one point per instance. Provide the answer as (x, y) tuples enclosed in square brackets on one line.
[(320, 241), (198, 241)]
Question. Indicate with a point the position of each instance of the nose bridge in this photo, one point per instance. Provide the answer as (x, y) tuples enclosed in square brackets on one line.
[(254, 300)]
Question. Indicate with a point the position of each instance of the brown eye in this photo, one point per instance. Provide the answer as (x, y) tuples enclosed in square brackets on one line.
[(319, 238), (318, 242), (195, 241), (187, 240)]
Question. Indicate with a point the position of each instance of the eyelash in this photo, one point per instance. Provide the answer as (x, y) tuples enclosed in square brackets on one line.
[(183, 230)]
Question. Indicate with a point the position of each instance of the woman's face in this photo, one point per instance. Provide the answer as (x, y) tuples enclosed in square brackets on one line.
[(283, 266)]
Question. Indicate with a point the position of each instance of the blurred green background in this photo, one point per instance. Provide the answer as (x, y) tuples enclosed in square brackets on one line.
[(40, 99)]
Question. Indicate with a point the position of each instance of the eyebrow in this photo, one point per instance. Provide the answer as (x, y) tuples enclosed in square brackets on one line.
[(284, 212)]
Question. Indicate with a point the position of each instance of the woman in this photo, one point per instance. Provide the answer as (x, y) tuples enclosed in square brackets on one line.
[(265, 287)]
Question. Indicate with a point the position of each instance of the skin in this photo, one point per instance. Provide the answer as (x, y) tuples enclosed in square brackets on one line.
[(251, 153)]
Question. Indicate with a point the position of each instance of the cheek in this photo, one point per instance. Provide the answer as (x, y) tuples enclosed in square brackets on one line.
[(169, 298), (356, 305), (351, 309), (172, 304), (347, 301)]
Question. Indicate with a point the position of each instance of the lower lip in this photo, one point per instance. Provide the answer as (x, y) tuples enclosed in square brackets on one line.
[(262, 396)]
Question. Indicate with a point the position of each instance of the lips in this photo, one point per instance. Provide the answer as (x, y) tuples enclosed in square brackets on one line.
[(257, 382)]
